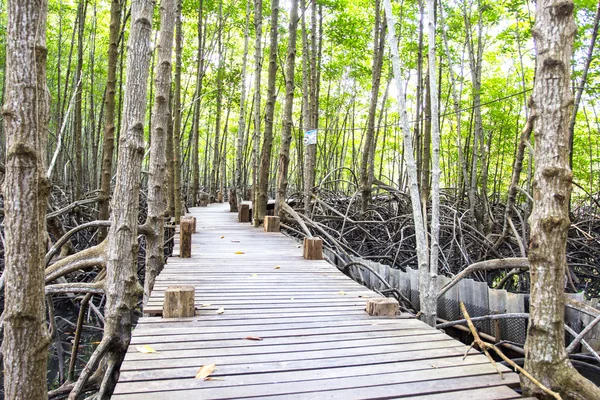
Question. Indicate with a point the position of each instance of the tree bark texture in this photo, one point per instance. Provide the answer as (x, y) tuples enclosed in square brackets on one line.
[(158, 160), (177, 118), (241, 142), (26, 186), (265, 158), (257, 71), (108, 144), (288, 123), (122, 287), (552, 103)]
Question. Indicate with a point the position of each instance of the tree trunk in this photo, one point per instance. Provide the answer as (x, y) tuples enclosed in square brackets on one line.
[(109, 114), (196, 122), (158, 160), (552, 103), (420, 228), (26, 188), (177, 118), (240, 143), (265, 159), (77, 119), (368, 154), (313, 114), (214, 184), (122, 287), (257, 71), (288, 124)]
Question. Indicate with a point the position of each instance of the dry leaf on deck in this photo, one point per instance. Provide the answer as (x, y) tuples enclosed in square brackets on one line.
[(235, 241), (205, 371), (253, 275), (222, 237), (221, 310), (365, 296), (213, 379), (253, 338), (145, 349), (206, 305), (277, 267), (342, 292), (239, 252)]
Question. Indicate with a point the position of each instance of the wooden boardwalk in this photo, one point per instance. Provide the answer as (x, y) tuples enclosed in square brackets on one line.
[(317, 340)]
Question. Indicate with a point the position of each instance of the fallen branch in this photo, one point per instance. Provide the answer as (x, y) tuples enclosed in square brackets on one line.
[(484, 346)]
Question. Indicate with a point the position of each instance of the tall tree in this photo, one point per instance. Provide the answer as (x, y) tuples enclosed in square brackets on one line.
[(177, 117), (265, 158), (256, 135), (288, 124), (25, 112), (109, 113), (196, 122), (368, 154), (310, 158), (552, 105), (241, 142), (77, 120), (158, 160)]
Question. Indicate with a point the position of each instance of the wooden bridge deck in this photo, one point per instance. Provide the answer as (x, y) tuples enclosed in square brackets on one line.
[(318, 342)]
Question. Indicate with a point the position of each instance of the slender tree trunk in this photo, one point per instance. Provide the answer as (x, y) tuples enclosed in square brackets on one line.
[(257, 71), (196, 122), (26, 188), (109, 114), (552, 102), (177, 118), (368, 153), (288, 123), (158, 160), (429, 298), (170, 176), (313, 113), (214, 181), (420, 227), (240, 144), (77, 118), (265, 158), (305, 116), (122, 287)]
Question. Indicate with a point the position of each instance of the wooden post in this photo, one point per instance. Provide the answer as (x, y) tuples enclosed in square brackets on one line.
[(313, 248), (385, 307), (233, 206), (219, 197), (186, 227), (244, 212), (271, 224), (179, 302), (193, 219)]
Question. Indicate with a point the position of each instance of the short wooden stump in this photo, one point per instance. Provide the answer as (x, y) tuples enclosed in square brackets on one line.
[(179, 302), (382, 307), (204, 199), (313, 248), (271, 224), (244, 212), (186, 228)]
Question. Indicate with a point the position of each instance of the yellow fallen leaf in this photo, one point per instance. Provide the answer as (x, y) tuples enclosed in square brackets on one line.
[(222, 237), (206, 305), (145, 349), (213, 379), (433, 366), (221, 310), (278, 267), (342, 292), (291, 298), (239, 252), (365, 296), (205, 371), (253, 338), (253, 275)]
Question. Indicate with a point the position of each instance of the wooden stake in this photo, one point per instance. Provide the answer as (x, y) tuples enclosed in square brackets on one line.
[(204, 197), (186, 225), (244, 212), (179, 302), (313, 248), (385, 307), (271, 224), (233, 205)]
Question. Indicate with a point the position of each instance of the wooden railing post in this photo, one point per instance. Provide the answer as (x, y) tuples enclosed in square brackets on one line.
[(186, 227), (244, 212), (271, 224), (385, 307), (313, 248), (179, 302)]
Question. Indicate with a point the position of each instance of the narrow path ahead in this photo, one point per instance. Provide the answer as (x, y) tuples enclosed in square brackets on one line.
[(317, 340)]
